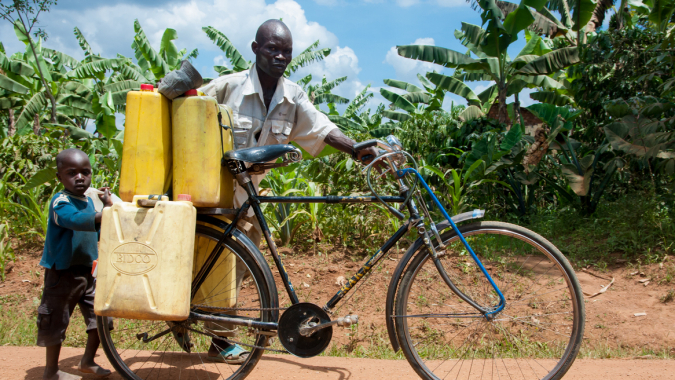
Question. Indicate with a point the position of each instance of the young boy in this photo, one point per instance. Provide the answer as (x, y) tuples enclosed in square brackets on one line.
[(71, 246)]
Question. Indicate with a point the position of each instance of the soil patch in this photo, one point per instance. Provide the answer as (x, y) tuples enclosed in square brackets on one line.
[(28, 363), (611, 320)]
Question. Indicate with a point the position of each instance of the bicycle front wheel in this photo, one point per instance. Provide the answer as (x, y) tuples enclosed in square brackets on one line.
[(538, 333), (151, 349)]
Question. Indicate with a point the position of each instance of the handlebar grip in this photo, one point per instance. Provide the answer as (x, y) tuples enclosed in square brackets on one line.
[(364, 144)]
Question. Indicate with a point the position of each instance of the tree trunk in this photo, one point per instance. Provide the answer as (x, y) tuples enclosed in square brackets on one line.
[(503, 113), (11, 129), (36, 124), (623, 10), (598, 15), (42, 78), (516, 112)]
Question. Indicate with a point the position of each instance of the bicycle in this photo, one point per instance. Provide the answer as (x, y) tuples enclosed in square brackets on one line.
[(478, 300)]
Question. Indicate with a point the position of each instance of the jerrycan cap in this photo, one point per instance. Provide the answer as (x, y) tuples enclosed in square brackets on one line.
[(192, 92), (147, 87), (184, 197)]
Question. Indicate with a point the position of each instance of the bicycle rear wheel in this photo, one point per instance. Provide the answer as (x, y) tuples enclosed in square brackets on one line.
[(536, 336), (165, 358)]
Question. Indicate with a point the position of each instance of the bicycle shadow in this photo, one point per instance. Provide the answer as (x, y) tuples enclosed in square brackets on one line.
[(153, 365), (343, 372)]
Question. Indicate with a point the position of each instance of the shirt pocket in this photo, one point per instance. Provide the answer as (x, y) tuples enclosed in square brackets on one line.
[(281, 130), (242, 127)]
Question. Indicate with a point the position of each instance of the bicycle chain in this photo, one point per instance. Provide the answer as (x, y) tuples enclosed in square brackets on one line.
[(235, 342), (240, 309)]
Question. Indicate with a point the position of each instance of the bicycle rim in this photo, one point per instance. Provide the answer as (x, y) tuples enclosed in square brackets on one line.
[(164, 358), (536, 336)]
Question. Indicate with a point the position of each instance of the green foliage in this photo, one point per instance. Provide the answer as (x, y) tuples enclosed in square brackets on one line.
[(6, 251)]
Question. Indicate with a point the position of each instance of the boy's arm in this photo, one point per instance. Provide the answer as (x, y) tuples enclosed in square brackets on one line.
[(66, 215)]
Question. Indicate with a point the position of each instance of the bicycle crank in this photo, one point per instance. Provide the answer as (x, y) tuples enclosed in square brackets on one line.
[(296, 320)]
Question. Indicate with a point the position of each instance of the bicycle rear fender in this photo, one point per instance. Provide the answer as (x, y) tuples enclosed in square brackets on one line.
[(257, 256), (396, 276)]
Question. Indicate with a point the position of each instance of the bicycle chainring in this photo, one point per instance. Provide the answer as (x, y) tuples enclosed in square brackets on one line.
[(289, 330)]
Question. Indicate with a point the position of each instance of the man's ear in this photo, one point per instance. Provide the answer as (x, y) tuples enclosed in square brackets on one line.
[(58, 176), (254, 47)]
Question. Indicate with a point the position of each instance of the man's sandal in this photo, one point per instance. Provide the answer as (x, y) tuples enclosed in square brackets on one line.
[(231, 355)]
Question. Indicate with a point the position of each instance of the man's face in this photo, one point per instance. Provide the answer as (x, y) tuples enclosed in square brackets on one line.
[(274, 53), (75, 173)]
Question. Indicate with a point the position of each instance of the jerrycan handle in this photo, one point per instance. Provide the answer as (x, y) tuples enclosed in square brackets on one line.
[(150, 202), (147, 203)]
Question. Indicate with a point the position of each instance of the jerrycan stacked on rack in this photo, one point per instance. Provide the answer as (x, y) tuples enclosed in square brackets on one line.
[(198, 146), (146, 158), (145, 259)]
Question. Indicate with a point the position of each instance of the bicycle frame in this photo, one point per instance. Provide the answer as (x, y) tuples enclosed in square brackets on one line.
[(414, 220)]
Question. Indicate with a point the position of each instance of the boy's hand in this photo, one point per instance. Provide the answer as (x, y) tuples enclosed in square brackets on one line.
[(106, 198)]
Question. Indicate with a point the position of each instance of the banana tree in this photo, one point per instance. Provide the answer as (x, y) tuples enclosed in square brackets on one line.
[(659, 13), (415, 101), (531, 68), (640, 131), (156, 65), (24, 17)]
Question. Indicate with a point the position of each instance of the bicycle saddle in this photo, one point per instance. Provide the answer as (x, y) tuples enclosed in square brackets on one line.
[(259, 154)]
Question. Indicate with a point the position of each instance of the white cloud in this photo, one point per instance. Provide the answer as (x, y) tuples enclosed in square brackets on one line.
[(451, 3), (109, 28), (406, 3), (341, 62), (406, 68)]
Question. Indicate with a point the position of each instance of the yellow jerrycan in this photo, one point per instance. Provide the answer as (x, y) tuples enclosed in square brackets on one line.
[(198, 148), (219, 289), (145, 260), (146, 156)]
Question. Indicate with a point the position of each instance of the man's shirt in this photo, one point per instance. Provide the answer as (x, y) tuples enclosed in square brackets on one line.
[(292, 117), (72, 237)]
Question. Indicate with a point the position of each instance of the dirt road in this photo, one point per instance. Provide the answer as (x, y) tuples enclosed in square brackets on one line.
[(27, 363)]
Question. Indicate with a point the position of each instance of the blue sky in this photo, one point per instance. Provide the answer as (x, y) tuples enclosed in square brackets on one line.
[(361, 33)]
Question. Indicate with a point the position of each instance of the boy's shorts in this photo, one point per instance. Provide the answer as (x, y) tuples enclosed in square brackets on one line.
[(63, 289)]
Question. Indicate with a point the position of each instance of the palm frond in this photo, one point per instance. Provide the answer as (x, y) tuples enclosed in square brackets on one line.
[(231, 52)]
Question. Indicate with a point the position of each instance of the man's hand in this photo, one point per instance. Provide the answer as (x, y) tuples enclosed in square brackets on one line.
[(339, 141)]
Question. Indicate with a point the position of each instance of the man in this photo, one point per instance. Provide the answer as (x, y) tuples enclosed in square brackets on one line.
[(269, 109)]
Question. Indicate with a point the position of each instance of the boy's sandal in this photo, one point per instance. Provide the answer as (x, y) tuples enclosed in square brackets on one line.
[(231, 355)]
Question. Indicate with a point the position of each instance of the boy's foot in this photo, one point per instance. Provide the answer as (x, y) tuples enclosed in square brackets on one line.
[(60, 375), (93, 368)]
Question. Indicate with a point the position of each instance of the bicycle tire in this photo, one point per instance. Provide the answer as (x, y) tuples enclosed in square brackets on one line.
[(125, 351), (539, 339)]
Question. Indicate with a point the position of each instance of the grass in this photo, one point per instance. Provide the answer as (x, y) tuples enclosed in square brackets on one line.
[(18, 328), (637, 226), (18, 323)]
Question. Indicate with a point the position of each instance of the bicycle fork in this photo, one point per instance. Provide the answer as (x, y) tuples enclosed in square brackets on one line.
[(488, 312)]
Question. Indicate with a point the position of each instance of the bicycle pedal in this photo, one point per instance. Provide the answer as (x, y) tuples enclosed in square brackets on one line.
[(348, 320)]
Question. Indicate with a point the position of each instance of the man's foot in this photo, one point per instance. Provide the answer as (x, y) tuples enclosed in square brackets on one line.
[(93, 368), (60, 375), (233, 354)]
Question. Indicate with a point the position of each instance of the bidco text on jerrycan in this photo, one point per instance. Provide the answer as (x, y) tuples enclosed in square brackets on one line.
[(146, 158), (145, 260), (198, 148)]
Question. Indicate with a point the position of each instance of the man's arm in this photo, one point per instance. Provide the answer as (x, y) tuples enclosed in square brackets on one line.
[(339, 141)]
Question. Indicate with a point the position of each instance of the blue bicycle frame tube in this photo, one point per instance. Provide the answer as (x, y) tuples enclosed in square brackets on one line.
[(502, 300)]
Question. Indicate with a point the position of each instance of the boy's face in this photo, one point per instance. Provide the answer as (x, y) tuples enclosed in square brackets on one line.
[(75, 173)]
